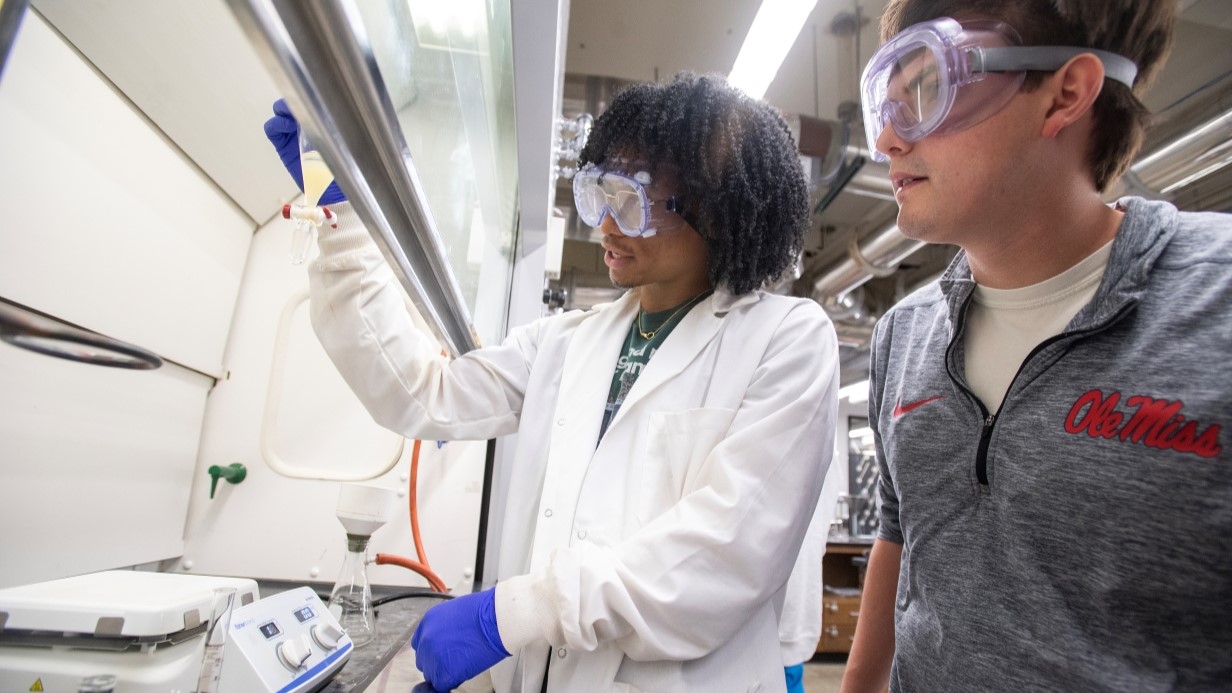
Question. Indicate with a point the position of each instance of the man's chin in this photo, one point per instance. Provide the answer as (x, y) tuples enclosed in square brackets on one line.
[(914, 228), (620, 283)]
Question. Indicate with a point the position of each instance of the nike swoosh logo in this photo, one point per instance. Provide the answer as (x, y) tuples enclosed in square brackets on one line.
[(900, 408)]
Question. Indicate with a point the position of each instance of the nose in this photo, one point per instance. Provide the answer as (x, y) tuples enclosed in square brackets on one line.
[(890, 144), (607, 225)]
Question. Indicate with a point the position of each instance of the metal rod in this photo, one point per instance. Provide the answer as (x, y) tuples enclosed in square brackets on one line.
[(11, 13), (25, 328), (485, 503), (319, 55)]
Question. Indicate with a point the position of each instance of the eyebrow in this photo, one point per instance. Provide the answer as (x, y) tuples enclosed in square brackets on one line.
[(914, 82)]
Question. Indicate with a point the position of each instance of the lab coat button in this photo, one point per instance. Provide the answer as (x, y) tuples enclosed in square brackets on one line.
[(581, 534), (560, 422), (561, 653), (547, 513)]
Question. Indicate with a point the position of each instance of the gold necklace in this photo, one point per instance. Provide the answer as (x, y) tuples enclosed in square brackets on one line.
[(650, 335)]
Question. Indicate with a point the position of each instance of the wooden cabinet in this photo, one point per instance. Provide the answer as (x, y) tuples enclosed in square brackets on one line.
[(842, 580), (838, 623)]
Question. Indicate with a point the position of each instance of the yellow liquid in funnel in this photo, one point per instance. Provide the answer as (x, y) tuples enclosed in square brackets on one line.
[(317, 177)]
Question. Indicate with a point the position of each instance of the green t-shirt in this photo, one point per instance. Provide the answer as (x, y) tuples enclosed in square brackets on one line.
[(646, 335)]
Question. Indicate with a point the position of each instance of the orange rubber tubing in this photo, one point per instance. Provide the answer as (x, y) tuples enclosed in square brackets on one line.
[(420, 566), (433, 580), (414, 501)]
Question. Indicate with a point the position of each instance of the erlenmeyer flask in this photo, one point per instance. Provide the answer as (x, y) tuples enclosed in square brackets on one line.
[(351, 599)]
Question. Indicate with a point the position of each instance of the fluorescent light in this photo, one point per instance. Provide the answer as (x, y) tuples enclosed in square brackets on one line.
[(555, 246), (475, 244), (774, 30), (450, 26), (861, 432), (855, 393)]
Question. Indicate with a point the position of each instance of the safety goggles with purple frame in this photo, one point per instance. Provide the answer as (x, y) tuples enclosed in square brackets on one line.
[(942, 77), (598, 192)]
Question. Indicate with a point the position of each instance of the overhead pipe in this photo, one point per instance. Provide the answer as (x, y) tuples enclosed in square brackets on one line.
[(820, 139), (1188, 157), (854, 336), (873, 178), (877, 255), (848, 308)]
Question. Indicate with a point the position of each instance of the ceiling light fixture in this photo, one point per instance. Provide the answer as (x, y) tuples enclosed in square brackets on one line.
[(862, 432), (855, 393), (774, 30)]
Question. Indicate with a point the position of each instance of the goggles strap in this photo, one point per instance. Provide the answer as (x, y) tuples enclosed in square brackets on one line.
[(1023, 58)]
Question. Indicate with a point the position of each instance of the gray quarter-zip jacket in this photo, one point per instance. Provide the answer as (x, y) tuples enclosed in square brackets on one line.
[(1080, 538)]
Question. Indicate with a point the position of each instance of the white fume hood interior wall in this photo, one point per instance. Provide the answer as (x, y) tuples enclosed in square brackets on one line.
[(108, 228), (116, 225), (271, 526)]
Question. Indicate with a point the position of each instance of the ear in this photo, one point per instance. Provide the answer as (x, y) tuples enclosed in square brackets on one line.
[(1073, 88)]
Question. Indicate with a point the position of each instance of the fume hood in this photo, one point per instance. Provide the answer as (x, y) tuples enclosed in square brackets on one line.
[(413, 107)]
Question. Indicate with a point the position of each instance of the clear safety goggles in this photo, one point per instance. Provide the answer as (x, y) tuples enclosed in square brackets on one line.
[(598, 192), (942, 77)]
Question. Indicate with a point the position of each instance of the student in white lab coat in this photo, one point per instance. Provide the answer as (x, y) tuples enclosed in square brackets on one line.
[(802, 620), (672, 444)]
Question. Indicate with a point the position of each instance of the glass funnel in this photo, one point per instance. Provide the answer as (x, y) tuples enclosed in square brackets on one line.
[(317, 177)]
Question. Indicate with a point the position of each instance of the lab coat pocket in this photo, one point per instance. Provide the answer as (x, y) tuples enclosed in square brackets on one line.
[(677, 445)]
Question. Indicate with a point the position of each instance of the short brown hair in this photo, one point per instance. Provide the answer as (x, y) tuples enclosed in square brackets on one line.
[(1140, 30)]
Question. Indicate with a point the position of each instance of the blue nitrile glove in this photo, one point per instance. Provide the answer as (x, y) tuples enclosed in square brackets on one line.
[(283, 132), (457, 640)]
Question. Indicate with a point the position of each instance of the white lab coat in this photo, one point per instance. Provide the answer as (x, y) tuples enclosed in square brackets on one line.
[(801, 623), (657, 560)]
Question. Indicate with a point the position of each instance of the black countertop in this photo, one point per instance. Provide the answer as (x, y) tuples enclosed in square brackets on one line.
[(395, 622)]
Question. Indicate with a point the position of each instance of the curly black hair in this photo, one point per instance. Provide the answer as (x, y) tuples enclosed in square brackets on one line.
[(738, 171)]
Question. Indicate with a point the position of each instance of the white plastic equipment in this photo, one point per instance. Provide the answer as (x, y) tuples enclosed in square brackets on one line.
[(288, 642), (145, 628)]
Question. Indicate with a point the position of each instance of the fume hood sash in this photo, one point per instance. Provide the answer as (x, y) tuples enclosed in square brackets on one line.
[(319, 55)]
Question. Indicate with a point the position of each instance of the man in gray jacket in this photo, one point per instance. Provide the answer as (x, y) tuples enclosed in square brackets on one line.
[(1056, 498)]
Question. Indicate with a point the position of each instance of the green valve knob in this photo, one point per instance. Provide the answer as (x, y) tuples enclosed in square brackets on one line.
[(233, 473)]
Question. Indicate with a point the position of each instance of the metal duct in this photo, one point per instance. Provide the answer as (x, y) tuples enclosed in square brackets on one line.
[(849, 307), (825, 141), (1193, 155), (877, 255), (854, 336), (872, 180)]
